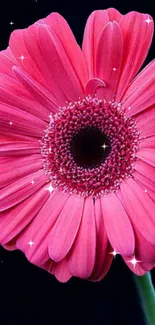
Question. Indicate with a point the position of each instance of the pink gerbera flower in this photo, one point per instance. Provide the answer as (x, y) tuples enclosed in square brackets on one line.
[(77, 149)]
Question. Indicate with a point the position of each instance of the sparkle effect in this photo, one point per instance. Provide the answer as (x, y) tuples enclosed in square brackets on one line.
[(117, 158), (30, 243), (104, 146), (148, 20), (11, 23), (22, 57), (134, 261), (50, 188), (114, 253)]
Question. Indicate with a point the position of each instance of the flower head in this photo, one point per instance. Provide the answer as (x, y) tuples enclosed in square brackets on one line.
[(77, 145)]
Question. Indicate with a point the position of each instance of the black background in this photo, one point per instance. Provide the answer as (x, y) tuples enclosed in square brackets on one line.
[(29, 295)]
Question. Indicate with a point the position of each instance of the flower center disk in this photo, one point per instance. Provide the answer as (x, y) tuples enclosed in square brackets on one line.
[(89, 147)]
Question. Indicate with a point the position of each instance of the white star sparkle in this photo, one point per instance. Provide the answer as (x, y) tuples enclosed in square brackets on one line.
[(114, 69), (104, 146), (134, 261), (145, 190), (148, 20), (11, 23), (31, 243), (22, 57), (10, 123), (114, 253), (32, 182), (50, 188)]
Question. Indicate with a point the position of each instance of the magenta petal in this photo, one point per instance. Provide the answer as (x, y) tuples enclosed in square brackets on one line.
[(137, 85), (93, 86), (82, 256), (20, 122), (58, 64), (117, 223), (140, 268), (147, 171), (147, 155), (103, 259), (37, 91), (17, 218), (145, 123), (109, 57), (94, 26), (7, 60), (19, 148), (145, 251), (22, 166), (38, 231), (12, 93), (60, 270), (21, 189), (135, 196), (114, 14), (61, 28), (148, 142), (64, 233), (135, 30), (141, 99)]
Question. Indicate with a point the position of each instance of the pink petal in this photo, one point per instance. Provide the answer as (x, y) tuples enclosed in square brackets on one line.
[(21, 189), (148, 142), (117, 224), (109, 57), (106, 266), (141, 79), (12, 93), (94, 26), (11, 245), (59, 25), (147, 155), (21, 167), (65, 230), (142, 98), (145, 123), (41, 49), (102, 245), (38, 92), (7, 60), (19, 148), (135, 30), (21, 122), (12, 222), (94, 85), (24, 44), (114, 14), (60, 270), (140, 268), (147, 171), (136, 198), (145, 251), (146, 184), (82, 256), (39, 229), (58, 63)]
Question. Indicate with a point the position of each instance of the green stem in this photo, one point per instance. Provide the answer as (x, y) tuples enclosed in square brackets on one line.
[(147, 296)]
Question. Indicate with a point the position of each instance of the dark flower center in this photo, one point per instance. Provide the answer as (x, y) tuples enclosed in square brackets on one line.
[(90, 147)]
